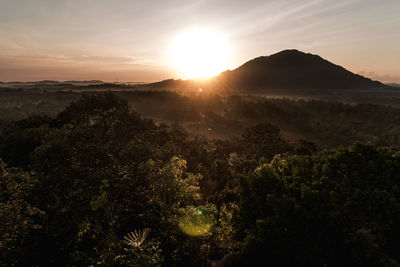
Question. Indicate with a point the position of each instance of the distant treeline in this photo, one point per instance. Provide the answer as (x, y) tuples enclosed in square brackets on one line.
[(327, 123)]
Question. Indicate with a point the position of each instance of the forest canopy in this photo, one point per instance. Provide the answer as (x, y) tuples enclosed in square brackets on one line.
[(98, 184)]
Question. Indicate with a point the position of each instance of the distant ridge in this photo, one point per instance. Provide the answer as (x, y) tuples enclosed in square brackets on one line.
[(293, 69), (52, 82), (397, 85)]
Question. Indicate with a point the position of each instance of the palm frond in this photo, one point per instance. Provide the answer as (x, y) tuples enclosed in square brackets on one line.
[(137, 237)]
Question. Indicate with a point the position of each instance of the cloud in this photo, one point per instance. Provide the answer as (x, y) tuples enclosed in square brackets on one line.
[(61, 67), (104, 59), (386, 78), (64, 59)]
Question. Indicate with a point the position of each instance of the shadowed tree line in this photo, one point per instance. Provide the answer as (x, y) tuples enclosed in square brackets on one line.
[(327, 123)]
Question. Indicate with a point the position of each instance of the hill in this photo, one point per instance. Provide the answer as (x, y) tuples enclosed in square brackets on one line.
[(293, 69)]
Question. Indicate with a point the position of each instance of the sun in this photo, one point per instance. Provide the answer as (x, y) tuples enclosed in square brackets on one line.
[(199, 53)]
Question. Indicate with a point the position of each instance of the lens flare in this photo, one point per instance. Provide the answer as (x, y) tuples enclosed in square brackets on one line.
[(196, 224)]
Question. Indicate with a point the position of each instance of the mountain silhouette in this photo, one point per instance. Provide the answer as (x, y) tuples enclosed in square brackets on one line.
[(293, 69)]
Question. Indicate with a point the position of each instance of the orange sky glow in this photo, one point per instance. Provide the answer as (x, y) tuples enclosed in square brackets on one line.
[(130, 40)]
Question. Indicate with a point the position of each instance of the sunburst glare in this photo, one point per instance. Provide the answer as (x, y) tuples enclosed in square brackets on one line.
[(199, 53)]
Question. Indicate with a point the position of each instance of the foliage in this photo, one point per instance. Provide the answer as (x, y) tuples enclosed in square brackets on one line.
[(19, 218), (73, 187), (338, 207)]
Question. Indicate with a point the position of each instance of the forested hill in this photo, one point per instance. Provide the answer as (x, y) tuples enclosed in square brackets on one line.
[(293, 69)]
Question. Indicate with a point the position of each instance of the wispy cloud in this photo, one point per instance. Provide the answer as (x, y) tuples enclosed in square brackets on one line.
[(387, 78)]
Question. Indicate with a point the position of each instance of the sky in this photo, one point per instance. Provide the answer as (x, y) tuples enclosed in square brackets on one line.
[(129, 40)]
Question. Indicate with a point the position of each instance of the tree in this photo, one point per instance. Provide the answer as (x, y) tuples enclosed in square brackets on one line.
[(337, 207), (20, 219)]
